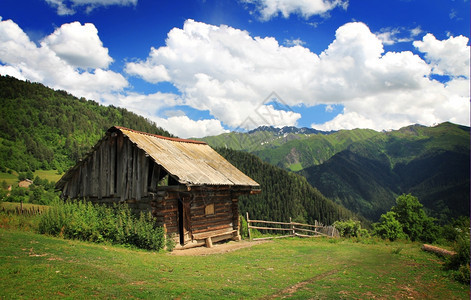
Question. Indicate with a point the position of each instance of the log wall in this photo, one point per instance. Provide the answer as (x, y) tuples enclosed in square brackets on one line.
[(119, 172), (115, 169), (223, 216)]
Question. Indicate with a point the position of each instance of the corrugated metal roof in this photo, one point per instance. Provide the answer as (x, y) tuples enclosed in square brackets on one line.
[(190, 162)]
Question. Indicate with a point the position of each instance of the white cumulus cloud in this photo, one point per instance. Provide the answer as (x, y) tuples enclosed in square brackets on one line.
[(144, 105), (20, 57), (448, 57), (185, 127), (305, 8), (78, 45), (69, 7), (229, 73)]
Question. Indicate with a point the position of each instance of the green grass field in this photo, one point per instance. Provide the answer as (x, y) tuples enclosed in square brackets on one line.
[(10, 179), (37, 266), (50, 175)]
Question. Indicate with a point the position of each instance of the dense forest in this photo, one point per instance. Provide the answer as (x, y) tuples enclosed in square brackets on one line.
[(45, 129), (284, 194), (41, 128), (360, 171), (365, 170), (432, 163)]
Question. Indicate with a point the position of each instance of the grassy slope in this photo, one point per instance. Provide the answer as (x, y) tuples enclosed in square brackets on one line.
[(432, 163), (36, 266), (293, 151), (41, 128), (50, 175), (10, 179)]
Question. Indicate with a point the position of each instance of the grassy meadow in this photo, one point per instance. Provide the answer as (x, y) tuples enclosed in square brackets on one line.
[(50, 175), (10, 179), (38, 266)]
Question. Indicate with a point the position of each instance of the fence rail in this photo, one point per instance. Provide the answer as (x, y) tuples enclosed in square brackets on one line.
[(20, 209), (293, 228)]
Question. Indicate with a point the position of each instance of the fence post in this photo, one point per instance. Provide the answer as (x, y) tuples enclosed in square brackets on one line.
[(248, 226), (291, 225)]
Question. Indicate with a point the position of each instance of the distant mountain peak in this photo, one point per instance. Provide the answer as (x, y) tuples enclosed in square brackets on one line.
[(288, 129)]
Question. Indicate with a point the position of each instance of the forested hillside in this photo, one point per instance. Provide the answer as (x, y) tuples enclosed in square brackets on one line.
[(290, 148), (284, 194), (432, 163), (313, 149), (366, 170), (362, 170), (41, 128), (45, 129)]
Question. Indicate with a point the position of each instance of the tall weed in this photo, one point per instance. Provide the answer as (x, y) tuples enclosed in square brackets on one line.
[(98, 223), (459, 263)]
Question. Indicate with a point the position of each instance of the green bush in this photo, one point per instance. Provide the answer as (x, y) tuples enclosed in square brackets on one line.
[(451, 231), (407, 219), (350, 228), (388, 227), (244, 233), (462, 274), (457, 232), (461, 246), (415, 223), (98, 223)]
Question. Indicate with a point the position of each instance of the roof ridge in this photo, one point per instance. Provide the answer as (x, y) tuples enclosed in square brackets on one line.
[(161, 136)]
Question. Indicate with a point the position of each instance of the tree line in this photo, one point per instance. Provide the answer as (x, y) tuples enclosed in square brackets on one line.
[(284, 194), (42, 128)]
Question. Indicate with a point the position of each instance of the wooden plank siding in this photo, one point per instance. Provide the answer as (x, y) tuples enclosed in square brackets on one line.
[(115, 164), (127, 166)]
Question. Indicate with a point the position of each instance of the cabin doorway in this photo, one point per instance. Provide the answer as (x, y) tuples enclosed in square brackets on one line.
[(183, 220), (180, 222)]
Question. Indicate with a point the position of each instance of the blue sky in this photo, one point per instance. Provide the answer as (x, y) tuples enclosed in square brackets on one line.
[(204, 67)]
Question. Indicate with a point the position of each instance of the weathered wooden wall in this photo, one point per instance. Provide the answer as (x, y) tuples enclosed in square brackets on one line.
[(223, 210), (116, 169), (195, 220), (119, 172), (165, 210)]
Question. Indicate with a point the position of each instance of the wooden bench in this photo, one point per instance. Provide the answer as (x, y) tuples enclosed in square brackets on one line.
[(209, 235)]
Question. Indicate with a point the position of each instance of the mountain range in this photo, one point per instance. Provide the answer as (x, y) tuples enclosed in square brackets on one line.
[(41, 128), (365, 170), (305, 174)]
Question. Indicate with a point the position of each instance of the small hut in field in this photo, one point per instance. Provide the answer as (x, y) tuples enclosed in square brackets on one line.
[(188, 187)]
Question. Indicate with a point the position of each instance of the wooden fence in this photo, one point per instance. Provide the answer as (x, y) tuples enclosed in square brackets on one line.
[(29, 210), (292, 229)]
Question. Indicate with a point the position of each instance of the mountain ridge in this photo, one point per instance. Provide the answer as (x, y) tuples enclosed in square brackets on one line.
[(351, 166), (361, 169), (289, 129), (41, 128)]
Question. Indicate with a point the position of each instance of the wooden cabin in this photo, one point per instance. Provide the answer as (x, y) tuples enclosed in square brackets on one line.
[(188, 187)]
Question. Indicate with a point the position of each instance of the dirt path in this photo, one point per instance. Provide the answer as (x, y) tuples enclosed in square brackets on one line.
[(217, 248), (289, 291)]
